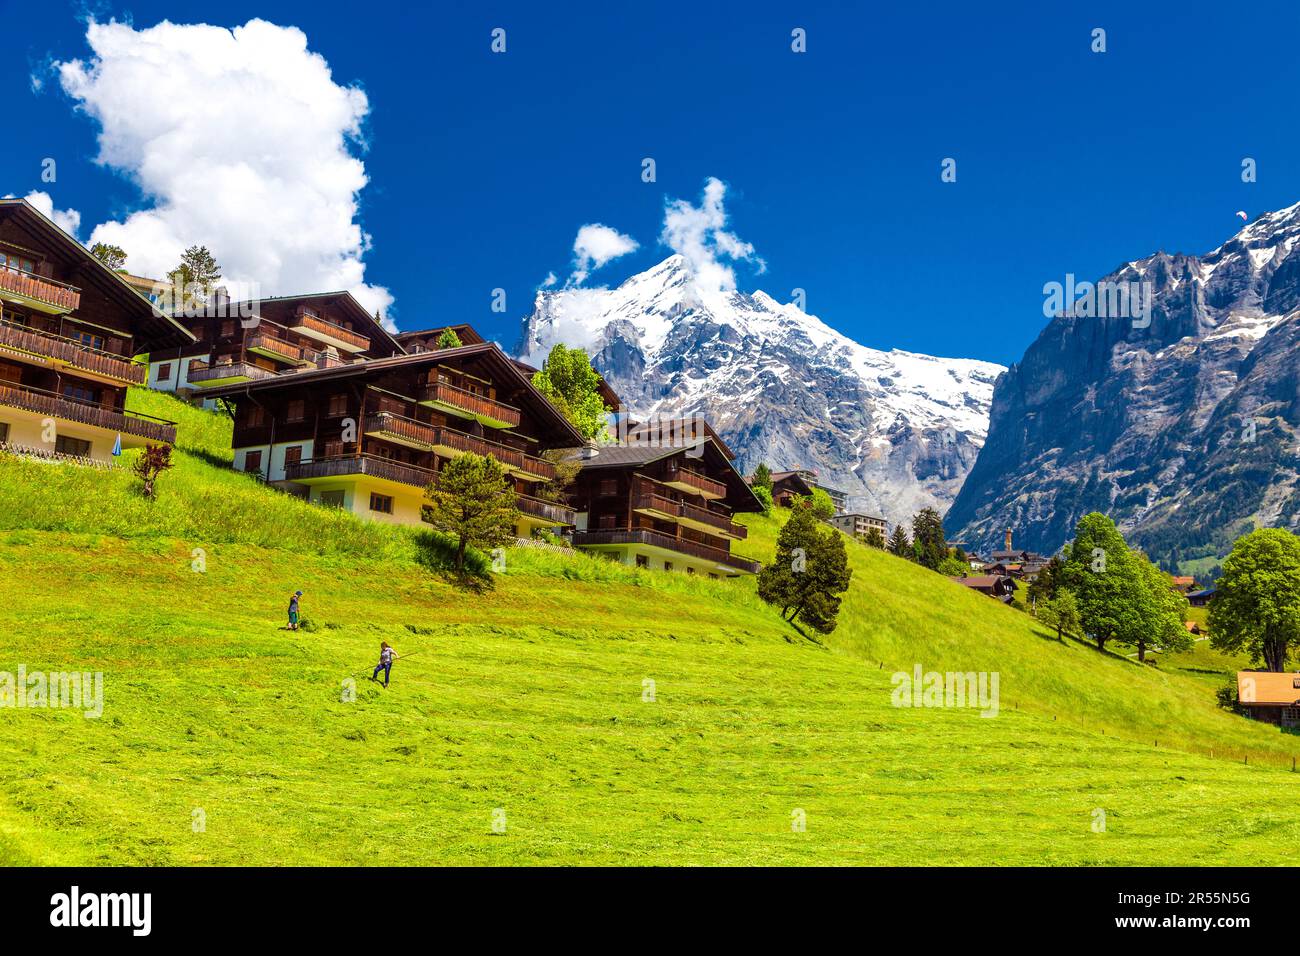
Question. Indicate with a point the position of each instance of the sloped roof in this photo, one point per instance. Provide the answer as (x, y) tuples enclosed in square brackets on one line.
[(1268, 688)]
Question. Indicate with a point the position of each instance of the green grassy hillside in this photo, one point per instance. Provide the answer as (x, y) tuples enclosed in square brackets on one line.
[(528, 698)]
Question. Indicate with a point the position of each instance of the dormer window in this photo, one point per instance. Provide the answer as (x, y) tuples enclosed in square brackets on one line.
[(12, 262)]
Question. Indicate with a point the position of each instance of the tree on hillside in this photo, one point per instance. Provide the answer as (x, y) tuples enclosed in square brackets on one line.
[(762, 477), (194, 278), (821, 504), (1047, 582), (472, 503), (1256, 607), (1099, 571), (112, 256), (808, 574), (572, 385), (1160, 613), (764, 495), (900, 544), (447, 339), (928, 540), (874, 539), (153, 461), (1060, 611)]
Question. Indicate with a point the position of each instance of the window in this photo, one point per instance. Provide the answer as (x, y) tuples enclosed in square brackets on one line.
[(72, 446), (332, 499), (297, 410), (255, 416), (690, 570), (642, 561), (88, 339), (198, 331), (16, 263), (227, 329), (252, 461), (381, 503), (606, 521), (165, 372), (338, 405), (609, 486), (292, 455), (668, 565), (79, 393), (4, 432)]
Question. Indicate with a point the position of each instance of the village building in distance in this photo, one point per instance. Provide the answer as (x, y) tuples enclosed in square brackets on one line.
[(1270, 697), (860, 525), (69, 330)]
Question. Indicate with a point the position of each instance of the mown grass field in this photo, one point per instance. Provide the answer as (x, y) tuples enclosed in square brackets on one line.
[(528, 698)]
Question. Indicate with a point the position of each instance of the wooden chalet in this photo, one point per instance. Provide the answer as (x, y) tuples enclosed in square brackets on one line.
[(1201, 598), (998, 586), (1270, 697), (69, 329), (657, 504), (787, 485), (370, 436), (236, 342)]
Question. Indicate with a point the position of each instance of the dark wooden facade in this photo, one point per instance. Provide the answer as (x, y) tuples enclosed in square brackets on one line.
[(69, 329), (393, 422), (663, 507)]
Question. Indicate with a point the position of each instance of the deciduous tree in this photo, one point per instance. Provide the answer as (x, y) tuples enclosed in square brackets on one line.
[(1256, 605), (808, 574), (572, 385)]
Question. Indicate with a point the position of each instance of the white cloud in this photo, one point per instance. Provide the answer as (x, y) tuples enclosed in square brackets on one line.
[(69, 220), (697, 234), (240, 140), (596, 245), (550, 280)]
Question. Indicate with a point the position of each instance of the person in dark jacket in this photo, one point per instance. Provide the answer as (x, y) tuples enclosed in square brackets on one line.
[(386, 657), (293, 610)]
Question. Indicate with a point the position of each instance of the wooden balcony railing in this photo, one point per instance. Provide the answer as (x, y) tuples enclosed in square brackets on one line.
[(373, 465), (21, 338), (88, 413), (279, 347), (651, 501), (401, 427), (546, 510), (59, 294), (333, 331), (478, 405), (512, 458), (700, 482), (229, 370), (656, 539)]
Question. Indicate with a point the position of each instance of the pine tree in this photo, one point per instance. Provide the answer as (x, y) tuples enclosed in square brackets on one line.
[(448, 339), (808, 574), (471, 502), (114, 257), (928, 540), (899, 543), (762, 477)]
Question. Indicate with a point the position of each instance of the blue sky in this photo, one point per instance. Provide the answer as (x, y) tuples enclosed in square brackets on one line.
[(482, 167)]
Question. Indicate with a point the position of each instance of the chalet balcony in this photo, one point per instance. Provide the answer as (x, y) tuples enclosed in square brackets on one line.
[(37, 292), (41, 402), (693, 483), (659, 506), (277, 349), (668, 542), (231, 373), (345, 340), (401, 430), (548, 511), (321, 469), (47, 349), (466, 404)]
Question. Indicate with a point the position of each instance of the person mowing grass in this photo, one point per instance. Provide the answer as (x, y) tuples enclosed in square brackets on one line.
[(386, 657), (293, 610)]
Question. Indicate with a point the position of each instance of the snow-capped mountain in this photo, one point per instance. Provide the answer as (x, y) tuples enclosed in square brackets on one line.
[(1184, 429), (896, 430)]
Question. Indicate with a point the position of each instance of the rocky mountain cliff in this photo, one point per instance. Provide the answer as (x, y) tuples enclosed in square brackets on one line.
[(896, 430), (1181, 424)]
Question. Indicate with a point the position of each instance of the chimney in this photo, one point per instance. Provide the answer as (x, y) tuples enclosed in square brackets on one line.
[(589, 450), (1008, 547)]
